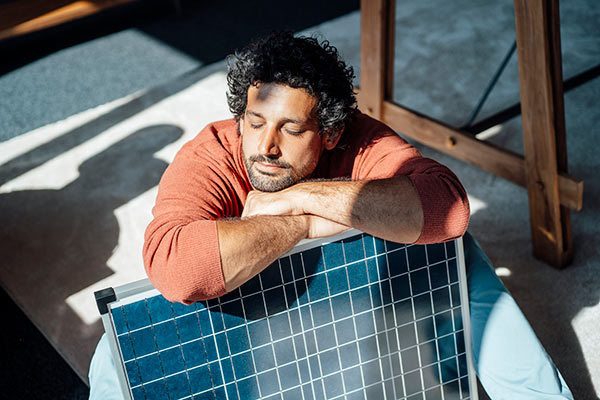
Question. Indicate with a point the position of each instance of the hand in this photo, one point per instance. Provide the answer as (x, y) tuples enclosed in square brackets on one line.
[(276, 203), (319, 227)]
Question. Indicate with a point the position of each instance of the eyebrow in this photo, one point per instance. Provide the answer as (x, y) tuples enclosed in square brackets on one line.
[(292, 120)]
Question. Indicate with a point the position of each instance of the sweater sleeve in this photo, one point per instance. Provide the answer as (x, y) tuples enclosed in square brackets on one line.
[(181, 246), (443, 199)]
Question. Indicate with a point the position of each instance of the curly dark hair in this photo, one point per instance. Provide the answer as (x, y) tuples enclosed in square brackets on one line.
[(298, 62)]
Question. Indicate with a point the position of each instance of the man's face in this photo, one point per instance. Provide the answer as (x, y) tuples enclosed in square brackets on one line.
[(281, 144)]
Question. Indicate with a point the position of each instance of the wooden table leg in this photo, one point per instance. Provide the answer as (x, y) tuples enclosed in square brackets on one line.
[(544, 139), (377, 26)]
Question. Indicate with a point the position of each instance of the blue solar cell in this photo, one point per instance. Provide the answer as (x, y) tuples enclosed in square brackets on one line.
[(215, 373), (382, 343), (460, 342), (312, 260), (232, 391), (353, 249), (275, 300), (325, 337), (136, 315), (304, 372), (455, 295), (341, 306), (386, 292), (451, 249), (293, 394), (441, 299), (400, 287), (428, 353), (349, 355), (284, 351), (172, 361), (315, 369), (180, 309), (133, 373), (422, 306), (318, 389), (166, 334), (149, 367), (259, 333), (333, 385), (160, 309), (126, 347), (318, 287), (453, 270), (188, 328), (178, 386), (457, 316), (448, 369), (372, 269), (119, 320), (194, 353), (321, 312), (417, 257), (280, 326), (232, 314), (410, 359), (227, 370), (299, 346), (333, 254), (352, 379), (290, 295), (425, 330), (295, 321), (403, 311), (406, 335), (288, 376), (434, 394), (254, 306), (301, 291), (368, 348), (210, 347), (364, 325), (369, 246), (243, 365), (248, 388), (344, 331), (271, 276), (298, 265), (238, 340), (138, 393), (361, 299), (216, 319), (268, 382), (419, 281), (443, 323), (156, 390), (285, 266), (357, 274), (222, 345), (412, 383), (264, 358), (143, 341), (250, 287), (310, 341), (329, 361), (446, 346), (371, 372), (305, 315), (396, 261), (338, 281)]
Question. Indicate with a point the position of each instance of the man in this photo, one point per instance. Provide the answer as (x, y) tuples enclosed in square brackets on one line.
[(300, 161)]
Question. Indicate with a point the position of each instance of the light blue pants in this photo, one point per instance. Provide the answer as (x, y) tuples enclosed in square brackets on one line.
[(509, 359)]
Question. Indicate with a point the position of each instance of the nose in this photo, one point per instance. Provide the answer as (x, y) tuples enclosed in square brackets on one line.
[(269, 142)]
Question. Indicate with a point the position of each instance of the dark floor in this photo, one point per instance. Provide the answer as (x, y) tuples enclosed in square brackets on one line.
[(31, 368)]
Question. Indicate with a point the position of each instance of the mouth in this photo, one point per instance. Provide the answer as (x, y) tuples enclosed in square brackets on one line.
[(267, 169)]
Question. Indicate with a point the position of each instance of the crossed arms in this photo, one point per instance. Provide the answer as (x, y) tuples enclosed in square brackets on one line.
[(272, 223)]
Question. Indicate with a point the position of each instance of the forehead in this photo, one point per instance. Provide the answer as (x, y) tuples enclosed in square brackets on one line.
[(281, 101)]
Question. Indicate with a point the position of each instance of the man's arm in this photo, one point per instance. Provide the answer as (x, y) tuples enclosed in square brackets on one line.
[(387, 208), (249, 245)]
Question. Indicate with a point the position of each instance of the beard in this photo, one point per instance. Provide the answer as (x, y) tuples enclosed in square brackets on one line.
[(266, 182)]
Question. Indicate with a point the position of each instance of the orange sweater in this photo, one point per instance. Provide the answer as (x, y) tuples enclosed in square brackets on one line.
[(208, 181)]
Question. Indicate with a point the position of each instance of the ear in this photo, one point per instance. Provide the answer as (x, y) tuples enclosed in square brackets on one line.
[(331, 139)]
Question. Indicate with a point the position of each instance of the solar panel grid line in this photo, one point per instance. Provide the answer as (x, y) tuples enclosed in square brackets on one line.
[(394, 332), (248, 334), (302, 324), (290, 321), (314, 332), (269, 329), (385, 321), (215, 387), (337, 345), (179, 341)]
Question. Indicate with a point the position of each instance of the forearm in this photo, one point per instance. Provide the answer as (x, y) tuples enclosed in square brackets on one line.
[(249, 245), (387, 208)]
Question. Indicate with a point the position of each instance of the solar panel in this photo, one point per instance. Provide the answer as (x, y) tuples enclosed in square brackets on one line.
[(351, 316)]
